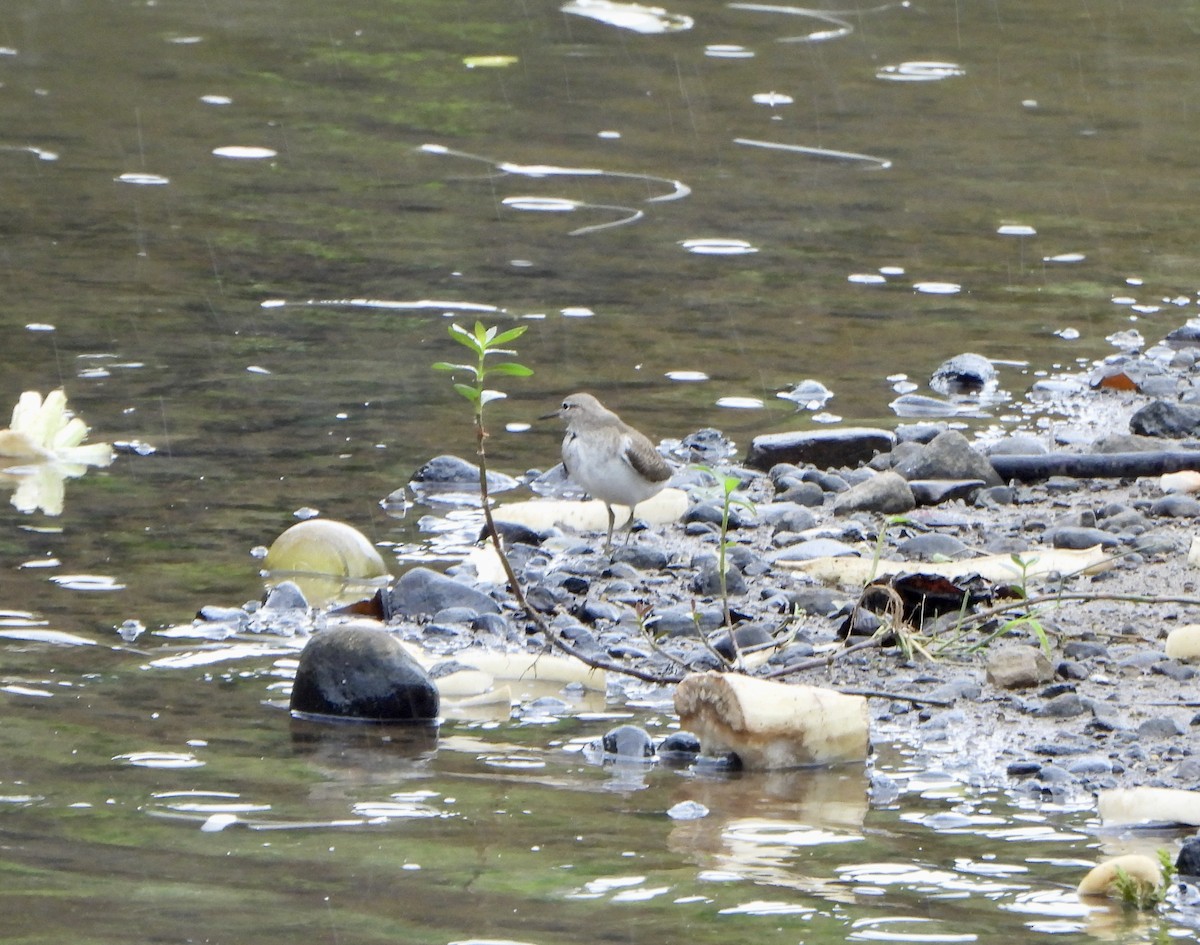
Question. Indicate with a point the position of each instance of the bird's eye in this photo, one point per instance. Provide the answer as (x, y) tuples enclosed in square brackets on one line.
[(566, 405)]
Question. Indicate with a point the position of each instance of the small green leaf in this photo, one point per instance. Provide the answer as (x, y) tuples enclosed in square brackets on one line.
[(509, 369), (465, 338), (447, 366), (511, 335), (471, 393)]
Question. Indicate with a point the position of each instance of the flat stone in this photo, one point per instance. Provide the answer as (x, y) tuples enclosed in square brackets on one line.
[(1078, 538), (848, 446), (1064, 706), (931, 546), (816, 548)]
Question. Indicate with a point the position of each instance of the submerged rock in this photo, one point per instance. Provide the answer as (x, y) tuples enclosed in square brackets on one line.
[(362, 674), (963, 374)]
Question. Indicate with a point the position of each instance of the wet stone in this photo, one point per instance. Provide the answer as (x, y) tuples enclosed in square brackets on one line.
[(707, 581), (596, 611), (747, 637), (362, 674), (816, 548), (1070, 669), (1188, 861), (285, 596), (829, 482), (424, 592), (963, 374), (627, 743), (454, 471), (230, 615)]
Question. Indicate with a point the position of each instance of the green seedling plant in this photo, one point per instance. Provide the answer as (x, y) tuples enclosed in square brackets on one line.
[(486, 343), (1030, 619), (727, 485), (1140, 894)]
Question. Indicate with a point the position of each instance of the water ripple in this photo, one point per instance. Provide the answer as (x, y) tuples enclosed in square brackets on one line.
[(920, 72), (878, 162)]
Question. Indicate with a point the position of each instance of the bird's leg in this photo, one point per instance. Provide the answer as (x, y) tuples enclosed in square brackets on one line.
[(611, 521), (628, 526)]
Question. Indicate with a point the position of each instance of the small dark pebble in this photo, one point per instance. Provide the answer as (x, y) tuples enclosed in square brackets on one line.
[(1062, 707), (1179, 672), (1084, 650), (1022, 769)]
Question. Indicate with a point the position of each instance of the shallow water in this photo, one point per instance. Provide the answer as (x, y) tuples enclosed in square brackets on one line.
[(234, 232)]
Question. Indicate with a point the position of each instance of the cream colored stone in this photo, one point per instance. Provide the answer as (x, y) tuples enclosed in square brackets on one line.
[(1101, 880), (771, 725), (1187, 480), (1183, 643), (1149, 805)]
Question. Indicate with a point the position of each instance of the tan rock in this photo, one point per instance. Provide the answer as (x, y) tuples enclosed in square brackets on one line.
[(770, 724), (1183, 643), (1101, 880), (1018, 667)]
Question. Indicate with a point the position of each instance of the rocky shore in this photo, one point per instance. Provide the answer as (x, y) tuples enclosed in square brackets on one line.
[(1067, 688)]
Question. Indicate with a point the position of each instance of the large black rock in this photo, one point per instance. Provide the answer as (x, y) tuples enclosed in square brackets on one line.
[(825, 449), (362, 674)]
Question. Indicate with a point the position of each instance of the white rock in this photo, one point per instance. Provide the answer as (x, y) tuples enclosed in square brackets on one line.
[(770, 724)]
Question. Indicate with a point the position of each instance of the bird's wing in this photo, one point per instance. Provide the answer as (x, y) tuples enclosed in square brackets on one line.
[(645, 461)]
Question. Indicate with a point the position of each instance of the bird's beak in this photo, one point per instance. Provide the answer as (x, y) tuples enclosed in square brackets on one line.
[(550, 416)]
